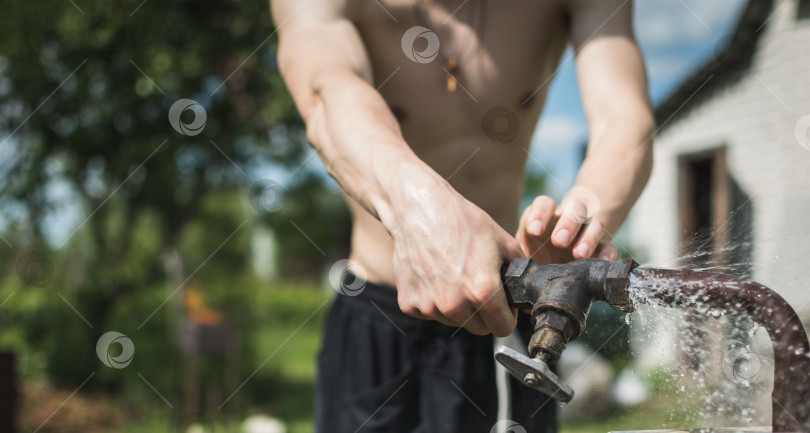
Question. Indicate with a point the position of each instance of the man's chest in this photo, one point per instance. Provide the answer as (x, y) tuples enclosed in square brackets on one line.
[(496, 51), (442, 66)]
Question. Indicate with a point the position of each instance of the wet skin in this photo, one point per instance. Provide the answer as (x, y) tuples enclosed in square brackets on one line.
[(435, 199)]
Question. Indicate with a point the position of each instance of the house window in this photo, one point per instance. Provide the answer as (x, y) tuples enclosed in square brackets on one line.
[(804, 10), (716, 215), (716, 235)]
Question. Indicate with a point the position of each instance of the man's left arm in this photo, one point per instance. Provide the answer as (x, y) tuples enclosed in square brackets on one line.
[(613, 84)]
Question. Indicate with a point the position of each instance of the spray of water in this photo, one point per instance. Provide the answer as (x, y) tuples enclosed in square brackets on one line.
[(720, 369)]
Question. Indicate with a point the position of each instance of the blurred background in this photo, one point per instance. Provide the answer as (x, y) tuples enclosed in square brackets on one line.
[(171, 275)]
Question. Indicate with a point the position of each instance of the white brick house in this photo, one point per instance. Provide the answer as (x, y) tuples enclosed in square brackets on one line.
[(729, 170)]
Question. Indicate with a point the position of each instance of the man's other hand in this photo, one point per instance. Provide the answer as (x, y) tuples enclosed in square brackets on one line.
[(558, 234)]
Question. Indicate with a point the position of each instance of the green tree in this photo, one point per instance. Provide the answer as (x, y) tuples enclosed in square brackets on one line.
[(85, 93)]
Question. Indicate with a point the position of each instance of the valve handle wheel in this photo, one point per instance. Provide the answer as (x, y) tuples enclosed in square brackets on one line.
[(534, 373)]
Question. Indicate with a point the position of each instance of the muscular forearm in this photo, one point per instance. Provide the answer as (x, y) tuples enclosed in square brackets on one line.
[(359, 140), (618, 165)]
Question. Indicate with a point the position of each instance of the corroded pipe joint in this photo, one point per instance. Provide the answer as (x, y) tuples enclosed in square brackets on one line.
[(560, 297), (557, 320), (617, 282), (570, 287), (547, 344)]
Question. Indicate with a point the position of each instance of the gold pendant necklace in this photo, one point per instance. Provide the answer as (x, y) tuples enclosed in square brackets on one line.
[(452, 69), (451, 64)]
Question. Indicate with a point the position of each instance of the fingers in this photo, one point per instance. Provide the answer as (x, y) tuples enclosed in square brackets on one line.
[(489, 298), (462, 313), (486, 310), (539, 215), (477, 326), (535, 224), (457, 313), (579, 207), (472, 322), (588, 241), (511, 248), (607, 251), (499, 318), (425, 312), (567, 227)]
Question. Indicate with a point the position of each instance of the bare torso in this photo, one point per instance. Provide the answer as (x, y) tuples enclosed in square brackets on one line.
[(511, 68)]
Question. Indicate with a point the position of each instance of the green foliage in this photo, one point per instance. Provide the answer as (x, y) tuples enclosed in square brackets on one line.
[(85, 89), (656, 413), (322, 214), (536, 184), (280, 305)]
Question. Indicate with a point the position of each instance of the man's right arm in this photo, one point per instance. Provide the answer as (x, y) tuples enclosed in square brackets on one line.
[(446, 269), (326, 68)]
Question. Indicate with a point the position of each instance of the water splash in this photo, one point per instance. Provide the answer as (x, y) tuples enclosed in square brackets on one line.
[(709, 363)]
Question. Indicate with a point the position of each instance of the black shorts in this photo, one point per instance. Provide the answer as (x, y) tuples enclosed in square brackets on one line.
[(382, 371)]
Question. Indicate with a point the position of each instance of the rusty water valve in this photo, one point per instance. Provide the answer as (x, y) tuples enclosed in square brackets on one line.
[(559, 297)]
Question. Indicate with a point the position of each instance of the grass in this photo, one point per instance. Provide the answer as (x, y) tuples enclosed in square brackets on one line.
[(286, 383), (294, 365), (656, 413)]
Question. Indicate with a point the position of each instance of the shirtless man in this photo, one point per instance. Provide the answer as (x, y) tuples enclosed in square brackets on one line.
[(403, 119)]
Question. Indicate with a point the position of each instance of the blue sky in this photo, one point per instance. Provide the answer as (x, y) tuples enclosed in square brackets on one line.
[(676, 38)]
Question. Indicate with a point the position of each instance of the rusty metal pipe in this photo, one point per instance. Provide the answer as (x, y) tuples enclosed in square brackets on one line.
[(728, 294)]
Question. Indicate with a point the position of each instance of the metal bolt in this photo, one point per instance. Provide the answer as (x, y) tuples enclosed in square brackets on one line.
[(531, 379)]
